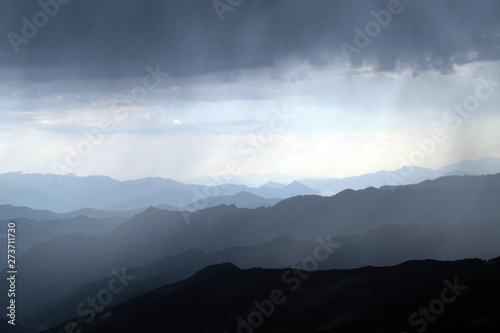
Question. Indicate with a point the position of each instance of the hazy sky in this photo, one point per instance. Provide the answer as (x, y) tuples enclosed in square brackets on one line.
[(310, 88)]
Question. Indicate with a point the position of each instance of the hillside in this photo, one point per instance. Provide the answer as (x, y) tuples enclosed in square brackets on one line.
[(466, 221), (460, 296)]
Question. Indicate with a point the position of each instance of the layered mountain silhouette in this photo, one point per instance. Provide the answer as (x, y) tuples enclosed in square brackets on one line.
[(371, 227), (70, 193), (67, 257), (431, 296), (382, 246), (9, 212), (33, 232), (405, 175), (281, 252)]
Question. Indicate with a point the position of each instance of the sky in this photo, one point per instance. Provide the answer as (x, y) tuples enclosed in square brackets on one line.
[(183, 89)]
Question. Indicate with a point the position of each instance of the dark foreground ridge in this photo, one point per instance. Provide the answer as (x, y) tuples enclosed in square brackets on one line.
[(416, 296)]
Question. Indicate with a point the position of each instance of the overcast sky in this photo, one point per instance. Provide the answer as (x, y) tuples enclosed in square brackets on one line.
[(180, 89)]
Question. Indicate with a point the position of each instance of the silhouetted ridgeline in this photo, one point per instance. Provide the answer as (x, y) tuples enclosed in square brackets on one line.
[(428, 295), (370, 227)]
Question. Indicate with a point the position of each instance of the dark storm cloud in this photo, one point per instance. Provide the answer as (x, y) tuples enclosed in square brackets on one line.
[(119, 38)]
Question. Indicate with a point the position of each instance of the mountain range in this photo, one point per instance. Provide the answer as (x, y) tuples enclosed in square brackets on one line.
[(431, 296), (68, 193), (368, 227), (190, 227)]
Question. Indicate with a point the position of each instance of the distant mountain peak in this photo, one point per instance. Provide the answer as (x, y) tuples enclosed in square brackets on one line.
[(151, 210), (297, 188), (271, 184), (296, 184)]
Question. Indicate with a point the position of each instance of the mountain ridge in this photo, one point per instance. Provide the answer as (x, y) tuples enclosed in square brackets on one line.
[(63, 193), (375, 299)]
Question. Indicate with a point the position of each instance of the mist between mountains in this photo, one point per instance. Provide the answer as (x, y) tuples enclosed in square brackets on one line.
[(248, 150), (88, 309)]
